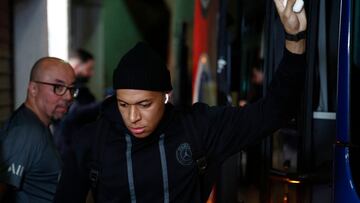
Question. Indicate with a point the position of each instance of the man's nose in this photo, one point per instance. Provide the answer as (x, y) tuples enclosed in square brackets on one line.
[(134, 114)]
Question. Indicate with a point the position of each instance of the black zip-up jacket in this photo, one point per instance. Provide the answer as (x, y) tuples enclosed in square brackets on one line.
[(160, 167)]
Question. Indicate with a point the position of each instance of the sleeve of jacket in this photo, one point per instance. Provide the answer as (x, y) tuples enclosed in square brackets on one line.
[(74, 183), (230, 129)]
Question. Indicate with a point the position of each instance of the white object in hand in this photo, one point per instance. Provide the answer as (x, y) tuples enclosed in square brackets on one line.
[(299, 4)]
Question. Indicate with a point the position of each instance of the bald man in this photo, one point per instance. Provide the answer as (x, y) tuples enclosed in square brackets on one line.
[(29, 162)]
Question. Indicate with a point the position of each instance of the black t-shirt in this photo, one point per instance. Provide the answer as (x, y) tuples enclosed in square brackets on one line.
[(29, 160)]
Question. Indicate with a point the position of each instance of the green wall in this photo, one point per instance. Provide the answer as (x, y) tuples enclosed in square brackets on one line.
[(182, 12), (120, 34)]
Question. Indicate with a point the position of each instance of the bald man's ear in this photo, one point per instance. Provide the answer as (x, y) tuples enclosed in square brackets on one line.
[(32, 88)]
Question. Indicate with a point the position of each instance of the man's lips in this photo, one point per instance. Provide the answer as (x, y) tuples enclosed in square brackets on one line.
[(62, 108), (137, 130)]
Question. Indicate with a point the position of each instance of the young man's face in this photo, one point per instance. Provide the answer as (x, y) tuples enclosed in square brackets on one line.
[(141, 110)]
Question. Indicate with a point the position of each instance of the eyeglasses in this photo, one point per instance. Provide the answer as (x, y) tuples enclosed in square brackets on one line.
[(60, 90)]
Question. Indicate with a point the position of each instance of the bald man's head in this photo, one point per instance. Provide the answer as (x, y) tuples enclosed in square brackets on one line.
[(40, 66), (48, 75)]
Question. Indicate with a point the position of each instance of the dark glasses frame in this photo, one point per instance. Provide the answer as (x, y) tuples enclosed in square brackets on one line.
[(60, 89)]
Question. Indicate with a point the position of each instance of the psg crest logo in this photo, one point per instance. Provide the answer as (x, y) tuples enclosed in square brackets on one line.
[(184, 154)]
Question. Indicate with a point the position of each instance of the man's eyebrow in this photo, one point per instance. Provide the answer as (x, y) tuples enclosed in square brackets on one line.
[(63, 82), (119, 100), (142, 101), (139, 102), (59, 81)]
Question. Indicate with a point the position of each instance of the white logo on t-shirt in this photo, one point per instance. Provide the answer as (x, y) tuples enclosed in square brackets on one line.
[(16, 170)]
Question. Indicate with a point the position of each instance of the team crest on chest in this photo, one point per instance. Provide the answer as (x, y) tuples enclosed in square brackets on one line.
[(184, 154)]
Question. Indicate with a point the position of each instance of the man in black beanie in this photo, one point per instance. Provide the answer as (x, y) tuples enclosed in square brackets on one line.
[(143, 149)]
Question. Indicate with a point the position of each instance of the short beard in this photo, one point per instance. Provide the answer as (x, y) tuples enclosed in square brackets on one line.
[(57, 119)]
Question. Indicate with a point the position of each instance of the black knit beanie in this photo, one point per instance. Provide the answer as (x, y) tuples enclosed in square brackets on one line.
[(142, 68)]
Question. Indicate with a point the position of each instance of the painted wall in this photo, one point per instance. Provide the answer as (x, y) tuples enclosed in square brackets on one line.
[(106, 29), (30, 42), (182, 16), (87, 32), (120, 34)]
